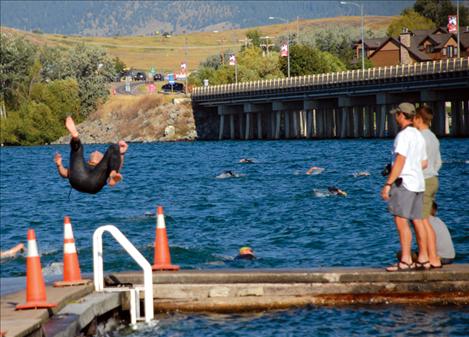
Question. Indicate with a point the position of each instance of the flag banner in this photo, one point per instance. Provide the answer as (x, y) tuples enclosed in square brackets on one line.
[(284, 50), (181, 76), (452, 24), (183, 67), (232, 60)]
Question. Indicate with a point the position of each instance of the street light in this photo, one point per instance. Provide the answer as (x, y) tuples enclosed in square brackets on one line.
[(288, 41), (363, 27)]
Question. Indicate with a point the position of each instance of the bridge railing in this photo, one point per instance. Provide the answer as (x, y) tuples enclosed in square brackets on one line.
[(337, 78)]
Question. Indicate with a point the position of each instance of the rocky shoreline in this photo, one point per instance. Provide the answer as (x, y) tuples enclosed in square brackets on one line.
[(141, 119)]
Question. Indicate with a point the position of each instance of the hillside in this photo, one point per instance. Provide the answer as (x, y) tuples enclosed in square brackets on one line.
[(113, 18), (166, 53)]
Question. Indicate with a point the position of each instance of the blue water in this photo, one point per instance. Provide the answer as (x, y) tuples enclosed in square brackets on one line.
[(285, 215)]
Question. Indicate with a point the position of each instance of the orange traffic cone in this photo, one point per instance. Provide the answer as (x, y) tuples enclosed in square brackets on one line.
[(162, 257), (72, 275), (35, 286)]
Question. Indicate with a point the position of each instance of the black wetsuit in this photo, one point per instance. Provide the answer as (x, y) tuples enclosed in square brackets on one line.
[(91, 179)]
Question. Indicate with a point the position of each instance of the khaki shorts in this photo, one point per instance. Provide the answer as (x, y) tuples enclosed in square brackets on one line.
[(405, 203), (431, 187)]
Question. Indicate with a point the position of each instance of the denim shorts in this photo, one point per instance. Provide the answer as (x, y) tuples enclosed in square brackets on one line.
[(405, 203)]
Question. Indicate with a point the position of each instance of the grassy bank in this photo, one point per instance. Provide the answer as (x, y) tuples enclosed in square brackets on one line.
[(166, 54)]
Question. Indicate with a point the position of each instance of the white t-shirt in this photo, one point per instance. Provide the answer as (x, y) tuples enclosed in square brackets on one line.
[(410, 143)]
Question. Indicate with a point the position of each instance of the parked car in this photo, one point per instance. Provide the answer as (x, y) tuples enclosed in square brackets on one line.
[(139, 76), (176, 87), (158, 77)]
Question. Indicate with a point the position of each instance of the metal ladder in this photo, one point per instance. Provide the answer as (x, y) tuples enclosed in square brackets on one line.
[(134, 291)]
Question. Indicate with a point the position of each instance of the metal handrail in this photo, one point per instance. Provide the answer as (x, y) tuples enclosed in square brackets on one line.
[(423, 68), (134, 253)]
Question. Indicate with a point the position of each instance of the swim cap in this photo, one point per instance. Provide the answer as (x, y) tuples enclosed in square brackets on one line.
[(246, 250)]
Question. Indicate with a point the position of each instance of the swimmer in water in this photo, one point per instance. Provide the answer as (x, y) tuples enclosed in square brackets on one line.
[(245, 253), (314, 170), (361, 174), (227, 174), (12, 251), (335, 191), (90, 177), (246, 161)]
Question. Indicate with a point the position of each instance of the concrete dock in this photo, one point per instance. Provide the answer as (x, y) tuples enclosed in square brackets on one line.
[(239, 290), (261, 289)]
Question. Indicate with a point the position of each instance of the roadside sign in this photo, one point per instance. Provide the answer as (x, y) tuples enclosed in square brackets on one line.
[(171, 79)]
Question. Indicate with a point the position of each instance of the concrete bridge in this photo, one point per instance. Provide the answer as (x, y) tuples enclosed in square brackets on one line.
[(347, 104)]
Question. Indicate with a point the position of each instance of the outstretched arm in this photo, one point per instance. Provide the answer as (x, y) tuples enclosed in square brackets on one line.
[(122, 149), (63, 172)]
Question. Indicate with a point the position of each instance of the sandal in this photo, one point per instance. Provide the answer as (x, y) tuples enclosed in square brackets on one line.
[(423, 265), (436, 267), (398, 267)]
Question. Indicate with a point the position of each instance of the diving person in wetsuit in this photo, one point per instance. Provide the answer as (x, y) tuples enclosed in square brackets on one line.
[(90, 177)]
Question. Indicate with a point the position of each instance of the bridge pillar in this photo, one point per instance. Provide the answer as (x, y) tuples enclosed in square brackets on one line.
[(391, 124), (310, 107), (381, 120), (222, 127), (272, 125), (466, 118), (457, 118), (232, 127), (309, 123), (355, 112), (368, 122), (286, 116), (241, 125), (277, 124), (343, 122), (259, 125), (319, 123), (303, 123), (440, 120), (295, 124), (360, 119), (248, 126)]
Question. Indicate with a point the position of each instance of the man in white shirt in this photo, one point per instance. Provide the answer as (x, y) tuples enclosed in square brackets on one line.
[(405, 186)]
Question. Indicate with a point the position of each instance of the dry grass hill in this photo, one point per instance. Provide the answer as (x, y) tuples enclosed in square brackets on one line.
[(166, 53)]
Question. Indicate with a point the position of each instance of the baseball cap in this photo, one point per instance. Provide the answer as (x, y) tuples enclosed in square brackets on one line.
[(407, 108)]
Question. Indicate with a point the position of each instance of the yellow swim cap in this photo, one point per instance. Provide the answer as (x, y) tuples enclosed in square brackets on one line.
[(245, 250)]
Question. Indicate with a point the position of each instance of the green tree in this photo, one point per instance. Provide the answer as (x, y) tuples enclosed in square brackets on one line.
[(305, 60), (16, 58), (93, 69), (438, 11), (255, 36), (119, 65), (411, 20), (55, 63)]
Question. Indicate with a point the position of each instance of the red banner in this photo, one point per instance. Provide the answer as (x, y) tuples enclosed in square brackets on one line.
[(284, 50), (452, 24)]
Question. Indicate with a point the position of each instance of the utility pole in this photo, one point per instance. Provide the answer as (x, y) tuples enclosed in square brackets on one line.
[(185, 61), (360, 6), (288, 41), (458, 25), (297, 29), (266, 44)]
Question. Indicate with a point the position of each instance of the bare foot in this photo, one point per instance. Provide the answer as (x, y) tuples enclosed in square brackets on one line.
[(70, 125), (114, 178), (123, 146)]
